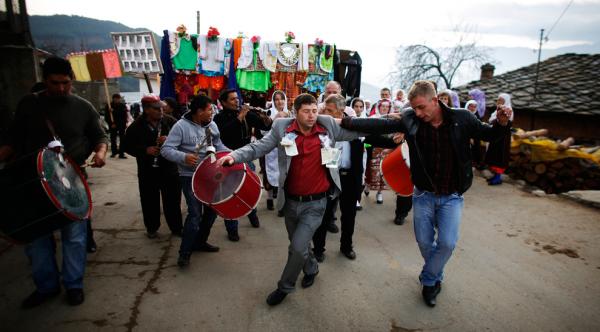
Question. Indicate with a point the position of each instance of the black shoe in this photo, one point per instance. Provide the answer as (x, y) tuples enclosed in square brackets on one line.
[(430, 293), (399, 220), (270, 205), (254, 221), (177, 233), (91, 246), (152, 235), (123, 157), (36, 298), (308, 280), (233, 236), (350, 254), (207, 247), (359, 208), (332, 228), (319, 256), (75, 296), (183, 260), (280, 213), (276, 297), (113, 155)]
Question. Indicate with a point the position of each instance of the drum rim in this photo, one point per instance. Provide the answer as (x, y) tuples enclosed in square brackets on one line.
[(252, 207), (51, 195), (218, 154)]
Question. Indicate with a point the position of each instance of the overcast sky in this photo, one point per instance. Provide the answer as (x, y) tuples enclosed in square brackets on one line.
[(374, 28)]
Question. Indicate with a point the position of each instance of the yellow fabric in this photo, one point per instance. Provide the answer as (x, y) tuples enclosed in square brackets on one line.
[(546, 150), (80, 69)]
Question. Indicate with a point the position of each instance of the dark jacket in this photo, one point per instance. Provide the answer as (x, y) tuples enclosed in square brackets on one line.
[(464, 127), (119, 115), (234, 133), (140, 136)]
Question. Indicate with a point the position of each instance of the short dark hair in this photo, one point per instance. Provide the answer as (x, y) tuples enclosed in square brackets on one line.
[(385, 89), (199, 102), (116, 95), (304, 99), (171, 102), (56, 65), (225, 93)]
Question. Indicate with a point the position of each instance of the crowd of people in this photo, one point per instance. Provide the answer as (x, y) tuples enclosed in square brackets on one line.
[(337, 144)]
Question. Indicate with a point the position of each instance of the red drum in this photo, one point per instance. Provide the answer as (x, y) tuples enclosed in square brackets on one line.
[(40, 194), (232, 191), (395, 168)]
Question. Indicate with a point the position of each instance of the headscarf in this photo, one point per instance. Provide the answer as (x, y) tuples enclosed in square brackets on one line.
[(375, 111), (507, 104), (479, 97), (403, 96), (354, 100), (454, 98), (273, 109), (469, 104)]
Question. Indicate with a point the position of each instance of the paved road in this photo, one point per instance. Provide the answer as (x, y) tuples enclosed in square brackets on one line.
[(523, 263)]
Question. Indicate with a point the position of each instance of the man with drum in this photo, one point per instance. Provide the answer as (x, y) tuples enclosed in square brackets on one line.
[(440, 164), (56, 115), (235, 124), (307, 173), (156, 176), (189, 142)]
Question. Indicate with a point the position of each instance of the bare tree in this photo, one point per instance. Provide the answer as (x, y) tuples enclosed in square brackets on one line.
[(418, 62)]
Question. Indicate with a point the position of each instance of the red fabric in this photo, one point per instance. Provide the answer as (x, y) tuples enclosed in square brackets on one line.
[(306, 175), (112, 66)]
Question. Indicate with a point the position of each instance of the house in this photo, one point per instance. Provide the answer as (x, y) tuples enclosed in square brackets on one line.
[(566, 100)]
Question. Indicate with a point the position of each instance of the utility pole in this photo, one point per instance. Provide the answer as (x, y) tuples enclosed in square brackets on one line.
[(537, 70), (198, 22)]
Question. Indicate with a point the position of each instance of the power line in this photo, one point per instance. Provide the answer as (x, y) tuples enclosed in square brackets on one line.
[(558, 19)]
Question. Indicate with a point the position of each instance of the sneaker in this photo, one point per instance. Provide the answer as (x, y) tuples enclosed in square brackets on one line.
[(276, 297), (358, 206), (308, 280), (75, 296), (379, 197), (36, 298), (183, 260)]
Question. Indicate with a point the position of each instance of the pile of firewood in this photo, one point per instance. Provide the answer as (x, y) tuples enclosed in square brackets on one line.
[(555, 176)]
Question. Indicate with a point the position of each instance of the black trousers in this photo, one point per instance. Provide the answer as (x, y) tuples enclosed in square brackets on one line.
[(114, 149), (403, 206), (153, 185), (347, 201)]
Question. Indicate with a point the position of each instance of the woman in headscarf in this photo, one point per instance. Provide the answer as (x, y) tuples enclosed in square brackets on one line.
[(374, 178), (479, 97), (476, 153), (498, 152), (358, 105), (278, 109)]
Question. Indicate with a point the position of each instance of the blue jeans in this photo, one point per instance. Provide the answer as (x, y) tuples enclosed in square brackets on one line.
[(199, 219), (41, 253), (431, 212)]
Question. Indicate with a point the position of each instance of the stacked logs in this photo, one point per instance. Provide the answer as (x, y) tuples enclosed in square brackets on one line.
[(555, 176)]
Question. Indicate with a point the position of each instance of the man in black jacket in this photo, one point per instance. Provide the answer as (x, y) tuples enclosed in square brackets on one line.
[(235, 125), (116, 118), (440, 164), (156, 175)]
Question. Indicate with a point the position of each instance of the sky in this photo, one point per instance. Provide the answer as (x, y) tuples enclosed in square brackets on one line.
[(374, 28)]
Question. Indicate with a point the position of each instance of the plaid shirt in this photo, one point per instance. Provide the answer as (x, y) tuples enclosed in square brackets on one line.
[(438, 157)]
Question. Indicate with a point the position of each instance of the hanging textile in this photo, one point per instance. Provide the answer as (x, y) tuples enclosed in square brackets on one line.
[(212, 56), (167, 86), (95, 66), (80, 69), (255, 77), (183, 48), (112, 67)]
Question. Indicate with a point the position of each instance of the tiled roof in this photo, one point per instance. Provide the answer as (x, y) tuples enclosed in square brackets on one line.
[(567, 83)]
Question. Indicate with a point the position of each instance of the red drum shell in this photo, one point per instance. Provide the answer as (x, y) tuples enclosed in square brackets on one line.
[(233, 192), (396, 172)]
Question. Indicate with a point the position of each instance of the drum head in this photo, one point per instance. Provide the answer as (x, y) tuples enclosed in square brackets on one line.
[(64, 184), (213, 184)]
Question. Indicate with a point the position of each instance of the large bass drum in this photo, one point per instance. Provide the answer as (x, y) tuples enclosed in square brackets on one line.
[(42, 193), (232, 192), (395, 168)]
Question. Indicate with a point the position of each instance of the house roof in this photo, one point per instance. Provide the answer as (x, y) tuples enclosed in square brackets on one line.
[(567, 84)]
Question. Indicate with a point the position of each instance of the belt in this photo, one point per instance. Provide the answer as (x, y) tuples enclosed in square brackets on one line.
[(306, 198)]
